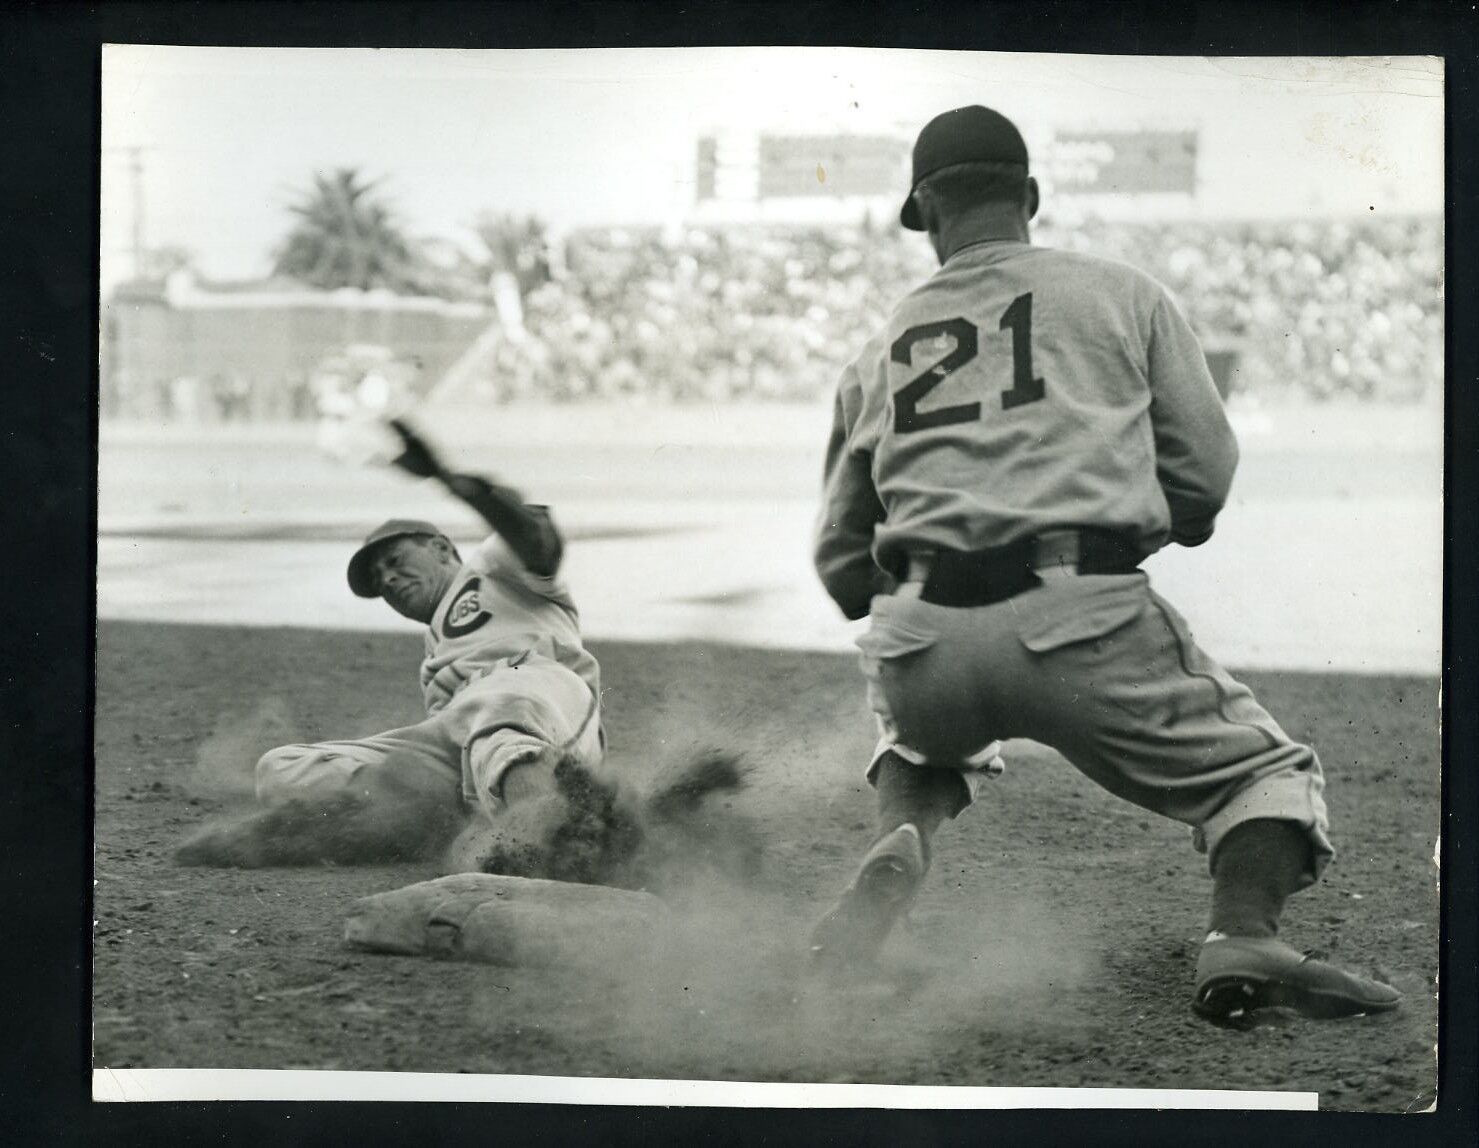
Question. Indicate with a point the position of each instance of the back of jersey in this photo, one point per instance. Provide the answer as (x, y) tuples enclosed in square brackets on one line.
[(1011, 394)]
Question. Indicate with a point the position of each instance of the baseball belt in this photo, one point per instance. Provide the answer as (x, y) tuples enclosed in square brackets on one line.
[(981, 577)]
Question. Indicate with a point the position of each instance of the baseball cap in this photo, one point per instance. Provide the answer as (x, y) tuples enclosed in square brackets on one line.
[(361, 577), (965, 135)]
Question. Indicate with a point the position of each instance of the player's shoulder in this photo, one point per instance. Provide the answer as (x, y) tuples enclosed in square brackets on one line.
[(873, 347), (1084, 270), (1091, 262), (492, 558), (1093, 272)]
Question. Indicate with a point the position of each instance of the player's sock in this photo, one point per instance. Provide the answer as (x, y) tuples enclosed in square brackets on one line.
[(1258, 865), (529, 779), (922, 795)]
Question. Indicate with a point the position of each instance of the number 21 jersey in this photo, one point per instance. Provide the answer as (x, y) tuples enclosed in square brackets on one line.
[(1022, 389)]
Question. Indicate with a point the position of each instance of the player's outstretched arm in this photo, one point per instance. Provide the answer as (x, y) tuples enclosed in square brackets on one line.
[(844, 531), (528, 530), (1196, 453)]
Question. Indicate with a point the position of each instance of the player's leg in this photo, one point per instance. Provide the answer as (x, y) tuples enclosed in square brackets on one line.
[(937, 682), (912, 792), (291, 771), (516, 724), (391, 796), (532, 746), (1243, 966), (1145, 713), (915, 795), (914, 798), (1268, 840), (420, 756)]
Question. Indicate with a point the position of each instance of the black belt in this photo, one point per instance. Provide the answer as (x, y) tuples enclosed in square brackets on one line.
[(981, 577)]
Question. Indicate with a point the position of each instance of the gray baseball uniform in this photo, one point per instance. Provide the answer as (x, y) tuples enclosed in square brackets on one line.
[(505, 675), (1018, 397)]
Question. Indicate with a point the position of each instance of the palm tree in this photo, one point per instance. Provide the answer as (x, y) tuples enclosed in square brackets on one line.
[(517, 245), (345, 237)]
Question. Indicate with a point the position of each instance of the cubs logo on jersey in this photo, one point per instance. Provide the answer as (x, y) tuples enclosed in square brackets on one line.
[(466, 613)]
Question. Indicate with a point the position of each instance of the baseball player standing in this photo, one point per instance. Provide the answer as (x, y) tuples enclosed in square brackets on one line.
[(509, 687), (1027, 428)]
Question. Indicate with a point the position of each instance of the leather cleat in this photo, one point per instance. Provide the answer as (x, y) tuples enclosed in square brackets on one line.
[(887, 881), (1238, 975)]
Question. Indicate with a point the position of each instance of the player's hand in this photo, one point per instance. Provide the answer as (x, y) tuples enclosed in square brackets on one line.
[(416, 456)]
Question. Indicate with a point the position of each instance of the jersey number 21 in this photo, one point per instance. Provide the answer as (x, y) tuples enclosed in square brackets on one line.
[(1025, 388)]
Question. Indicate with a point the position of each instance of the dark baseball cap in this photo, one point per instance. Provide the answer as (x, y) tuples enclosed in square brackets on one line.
[(966, 135), (361, 577)]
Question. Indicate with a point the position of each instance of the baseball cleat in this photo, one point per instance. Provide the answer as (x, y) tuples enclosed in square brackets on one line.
[(854, 930), (1237, 975)]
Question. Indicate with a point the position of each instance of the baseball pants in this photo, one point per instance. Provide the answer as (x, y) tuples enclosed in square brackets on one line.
[(510, 715), (1105, 671)]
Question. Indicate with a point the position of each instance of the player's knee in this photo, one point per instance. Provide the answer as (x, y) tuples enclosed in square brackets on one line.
[(504, 753), (407, 779), (527, 716), (276, 762), (291, 771), (938, 747)]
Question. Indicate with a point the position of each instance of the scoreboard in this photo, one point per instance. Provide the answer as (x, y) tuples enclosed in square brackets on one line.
[(840, 165), (1122, 162), (788, 167), (756, 174)]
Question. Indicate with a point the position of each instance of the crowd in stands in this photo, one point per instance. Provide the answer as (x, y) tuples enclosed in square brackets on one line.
[(712, 315), (1320, 310), (1317, 310)]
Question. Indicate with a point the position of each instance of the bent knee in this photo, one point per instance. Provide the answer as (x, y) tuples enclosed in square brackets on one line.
[(291, 771), (949, 748), (529, 716)]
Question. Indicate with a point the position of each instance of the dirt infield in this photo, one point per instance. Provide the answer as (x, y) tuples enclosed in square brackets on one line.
[(1054, 944)]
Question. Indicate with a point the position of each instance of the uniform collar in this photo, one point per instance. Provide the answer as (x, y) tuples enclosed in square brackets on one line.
[(984, 244)]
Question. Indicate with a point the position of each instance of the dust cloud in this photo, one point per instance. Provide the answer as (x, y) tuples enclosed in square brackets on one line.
[(225, 764), (389, 815), (728, 993)]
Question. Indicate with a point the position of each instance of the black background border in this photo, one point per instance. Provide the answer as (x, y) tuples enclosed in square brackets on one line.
[(49, 93)]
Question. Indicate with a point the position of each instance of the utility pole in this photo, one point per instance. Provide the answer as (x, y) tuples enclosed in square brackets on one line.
[(138, 250), (136, 178)]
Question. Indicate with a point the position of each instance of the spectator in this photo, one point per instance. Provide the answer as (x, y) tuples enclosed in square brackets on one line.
[(1322, 310)]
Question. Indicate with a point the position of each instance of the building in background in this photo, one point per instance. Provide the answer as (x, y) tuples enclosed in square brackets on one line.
[(182, 350)]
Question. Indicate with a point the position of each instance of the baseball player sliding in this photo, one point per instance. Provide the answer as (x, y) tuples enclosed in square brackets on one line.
[(1027, 428), (510, 691)]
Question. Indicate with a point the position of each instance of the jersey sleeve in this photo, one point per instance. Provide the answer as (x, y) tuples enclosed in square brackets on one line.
[(1196, 453), (497, 559), (851, 508), (527, 528)]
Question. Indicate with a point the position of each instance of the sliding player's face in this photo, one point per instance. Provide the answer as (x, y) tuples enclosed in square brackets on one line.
[(413, 575)]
